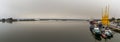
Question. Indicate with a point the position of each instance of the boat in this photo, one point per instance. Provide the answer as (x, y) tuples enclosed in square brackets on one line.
[(97, 31), (108, 33), (103, 36), (114, 27), (104, 24)]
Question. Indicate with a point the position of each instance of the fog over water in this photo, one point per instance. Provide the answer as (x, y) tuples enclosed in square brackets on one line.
[(57, 8)]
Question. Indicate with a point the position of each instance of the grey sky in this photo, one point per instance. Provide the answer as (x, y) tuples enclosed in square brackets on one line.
[(57, 8)]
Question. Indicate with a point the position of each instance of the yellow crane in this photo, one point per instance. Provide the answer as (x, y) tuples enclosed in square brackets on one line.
[(105, 16)]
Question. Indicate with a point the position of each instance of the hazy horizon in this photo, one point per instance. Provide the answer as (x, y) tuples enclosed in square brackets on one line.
[(78, 9)]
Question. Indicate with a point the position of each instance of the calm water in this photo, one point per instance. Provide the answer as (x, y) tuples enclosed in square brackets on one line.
[(49, 31)]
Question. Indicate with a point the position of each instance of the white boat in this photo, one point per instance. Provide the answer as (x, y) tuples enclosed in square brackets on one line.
[(97, 31)]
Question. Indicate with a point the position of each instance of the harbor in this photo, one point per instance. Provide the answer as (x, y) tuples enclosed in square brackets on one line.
[(55, 31), (59, 21)]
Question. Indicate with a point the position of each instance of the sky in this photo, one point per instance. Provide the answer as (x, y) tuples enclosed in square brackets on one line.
[(80, 9)]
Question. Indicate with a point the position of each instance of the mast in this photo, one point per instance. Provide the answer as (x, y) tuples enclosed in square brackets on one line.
[(105, 16)]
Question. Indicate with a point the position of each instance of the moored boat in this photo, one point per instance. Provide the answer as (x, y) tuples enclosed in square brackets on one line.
[(103, 36)]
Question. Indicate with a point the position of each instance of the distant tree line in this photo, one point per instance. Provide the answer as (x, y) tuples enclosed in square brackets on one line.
[(8, 19), (114, 19)]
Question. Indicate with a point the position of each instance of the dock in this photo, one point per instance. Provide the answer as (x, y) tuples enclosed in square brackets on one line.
[(115, 28)]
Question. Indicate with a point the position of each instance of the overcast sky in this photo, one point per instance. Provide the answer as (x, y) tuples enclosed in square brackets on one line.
[(57, 8)]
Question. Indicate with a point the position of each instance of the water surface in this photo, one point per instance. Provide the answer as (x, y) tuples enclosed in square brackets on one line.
[(49, 31)]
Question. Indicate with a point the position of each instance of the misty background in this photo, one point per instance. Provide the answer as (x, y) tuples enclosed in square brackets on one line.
[(80, 9)]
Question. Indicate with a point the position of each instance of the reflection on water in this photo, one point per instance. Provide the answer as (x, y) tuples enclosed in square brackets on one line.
[(8, 21), (97, 37), (50, 31)]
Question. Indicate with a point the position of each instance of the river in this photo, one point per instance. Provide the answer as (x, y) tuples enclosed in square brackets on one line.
[(49, 31)]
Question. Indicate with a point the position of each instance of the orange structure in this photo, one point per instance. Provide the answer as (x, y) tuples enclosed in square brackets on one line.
[(105, 16)]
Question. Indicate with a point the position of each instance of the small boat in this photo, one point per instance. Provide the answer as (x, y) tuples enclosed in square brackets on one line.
[(97, 31), (108, 33), (114, 27), (103, 36)]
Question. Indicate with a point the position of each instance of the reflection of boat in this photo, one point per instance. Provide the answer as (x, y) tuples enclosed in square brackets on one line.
[(97, 37)]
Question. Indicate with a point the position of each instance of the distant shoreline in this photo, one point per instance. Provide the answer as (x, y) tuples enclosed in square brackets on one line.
[(11, 19)]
